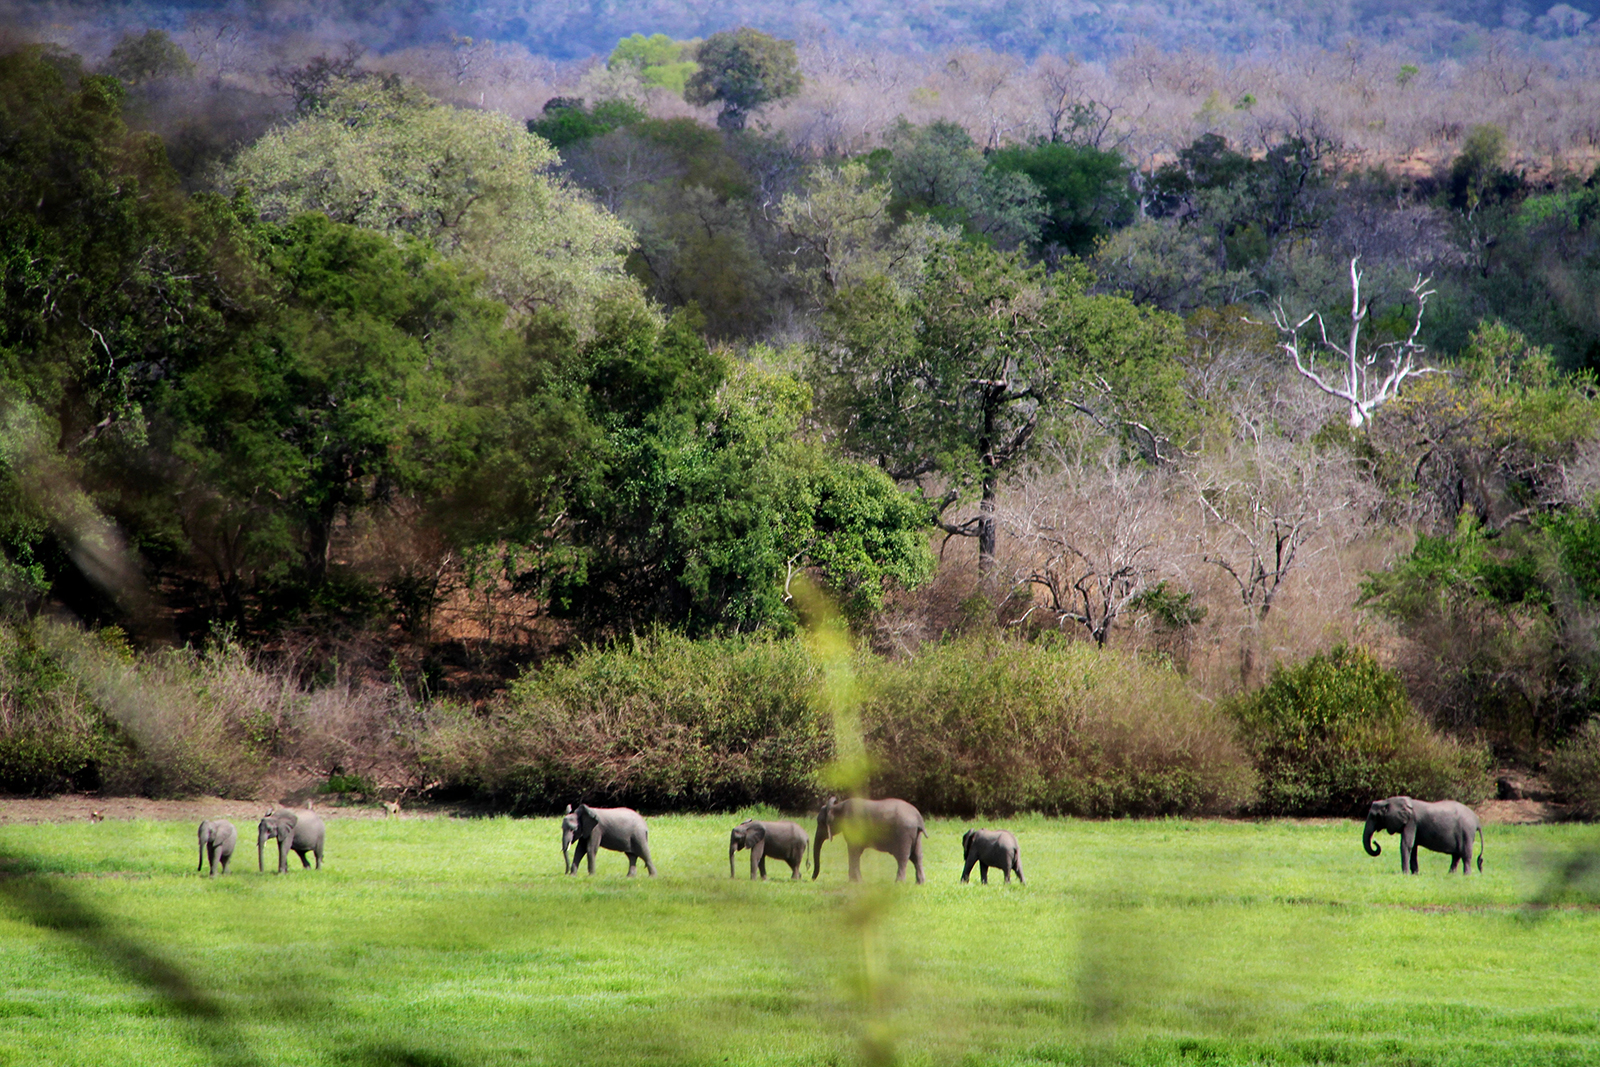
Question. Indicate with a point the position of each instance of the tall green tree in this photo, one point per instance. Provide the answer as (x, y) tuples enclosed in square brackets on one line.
[(954, 386), (113, 282), (476, 184), (699, 504), (743, 70), (345, 394)]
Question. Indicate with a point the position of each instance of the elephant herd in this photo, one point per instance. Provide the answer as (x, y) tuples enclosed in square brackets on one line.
[(299, 832), (891, 826)]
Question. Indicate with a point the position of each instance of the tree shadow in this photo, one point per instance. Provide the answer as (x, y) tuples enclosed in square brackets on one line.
[(50, 903)]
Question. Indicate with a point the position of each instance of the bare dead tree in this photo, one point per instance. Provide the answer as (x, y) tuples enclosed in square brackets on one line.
[(1261, 506), (1094, 536), (1365, 379)]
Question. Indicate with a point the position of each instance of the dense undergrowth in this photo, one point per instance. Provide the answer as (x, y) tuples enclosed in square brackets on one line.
[(978, 724)]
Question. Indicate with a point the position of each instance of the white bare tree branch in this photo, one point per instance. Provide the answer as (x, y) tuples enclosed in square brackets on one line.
[(1362, 380)]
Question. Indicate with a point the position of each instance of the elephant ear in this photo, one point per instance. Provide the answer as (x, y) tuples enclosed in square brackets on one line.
[(1407, 809)]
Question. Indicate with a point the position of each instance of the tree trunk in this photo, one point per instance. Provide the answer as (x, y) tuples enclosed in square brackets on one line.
[(986, 529)]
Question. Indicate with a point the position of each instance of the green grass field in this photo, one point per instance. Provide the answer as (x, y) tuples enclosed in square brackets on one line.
[(442, 942)]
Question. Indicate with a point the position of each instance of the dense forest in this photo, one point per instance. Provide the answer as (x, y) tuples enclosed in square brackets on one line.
[(435, 411)]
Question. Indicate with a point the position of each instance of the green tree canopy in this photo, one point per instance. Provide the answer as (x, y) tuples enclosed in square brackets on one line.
[(742, 69), (139, 58), (937, 170), (959, 381), (697, 503), (659, 60), (1085, 190), (387, 157), (344, 394), (112, 282)]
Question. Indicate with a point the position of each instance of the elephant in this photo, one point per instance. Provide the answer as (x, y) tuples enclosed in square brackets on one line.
[(618, 829), (891, 826), (217, 838), (785, 841), (299, 832), (1444, 826), (990, 848)]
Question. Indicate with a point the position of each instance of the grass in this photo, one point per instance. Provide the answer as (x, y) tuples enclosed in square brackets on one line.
[(444, 943)]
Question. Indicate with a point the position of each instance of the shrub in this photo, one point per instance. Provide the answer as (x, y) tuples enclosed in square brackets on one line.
[(985, 724), (660, 722), (83, 711), (1333, 733), (1575, 770), (53, 736)]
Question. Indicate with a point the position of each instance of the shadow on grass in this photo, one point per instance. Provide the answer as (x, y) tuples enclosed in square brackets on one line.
[(51, 903)]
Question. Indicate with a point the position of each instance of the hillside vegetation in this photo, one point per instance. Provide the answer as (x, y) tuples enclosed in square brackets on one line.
[(1173, 433)]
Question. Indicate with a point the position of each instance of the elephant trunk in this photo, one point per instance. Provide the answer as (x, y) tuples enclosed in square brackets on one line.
[(816, 850), (1372, 847), (261, 840), (733, 846)]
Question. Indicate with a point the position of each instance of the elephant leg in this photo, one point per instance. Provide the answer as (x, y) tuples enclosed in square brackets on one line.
[(595, 837), (795, 865), (644, 854), (633, 864), (1008, 875), (225, 860), (966, 872), (1408, 850), (318, 853), (916, 856), (983, 872), (855, 862), (758, 859), (305, 864), (1016, 865)]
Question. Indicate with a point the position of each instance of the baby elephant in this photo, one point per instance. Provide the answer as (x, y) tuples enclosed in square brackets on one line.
[(990, 848), (784, 841), (217, 838)]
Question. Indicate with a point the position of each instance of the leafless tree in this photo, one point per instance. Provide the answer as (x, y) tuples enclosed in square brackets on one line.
[(1094, 533), (1366, 379), (1261, 504)]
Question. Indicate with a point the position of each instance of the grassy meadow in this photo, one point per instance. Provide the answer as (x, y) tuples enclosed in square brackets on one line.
[(446, 943)]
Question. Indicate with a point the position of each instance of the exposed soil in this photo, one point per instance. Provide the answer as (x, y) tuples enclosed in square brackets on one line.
[(75, 808)]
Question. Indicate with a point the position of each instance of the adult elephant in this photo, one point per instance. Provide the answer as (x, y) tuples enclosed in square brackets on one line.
[(618, 829), (1442, 826), (891, 826), (781, 840), (295, 831), (217, 840), (990, 848)]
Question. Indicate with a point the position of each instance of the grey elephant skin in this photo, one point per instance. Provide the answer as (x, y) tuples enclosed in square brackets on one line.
[(217, 840), (295, 831), (780, 840), (1440, 826), (990, 848), (618, 829), (569, 836), (891, 826)]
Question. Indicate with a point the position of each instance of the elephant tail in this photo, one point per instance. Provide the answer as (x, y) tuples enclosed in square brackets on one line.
[(1480, 848)]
